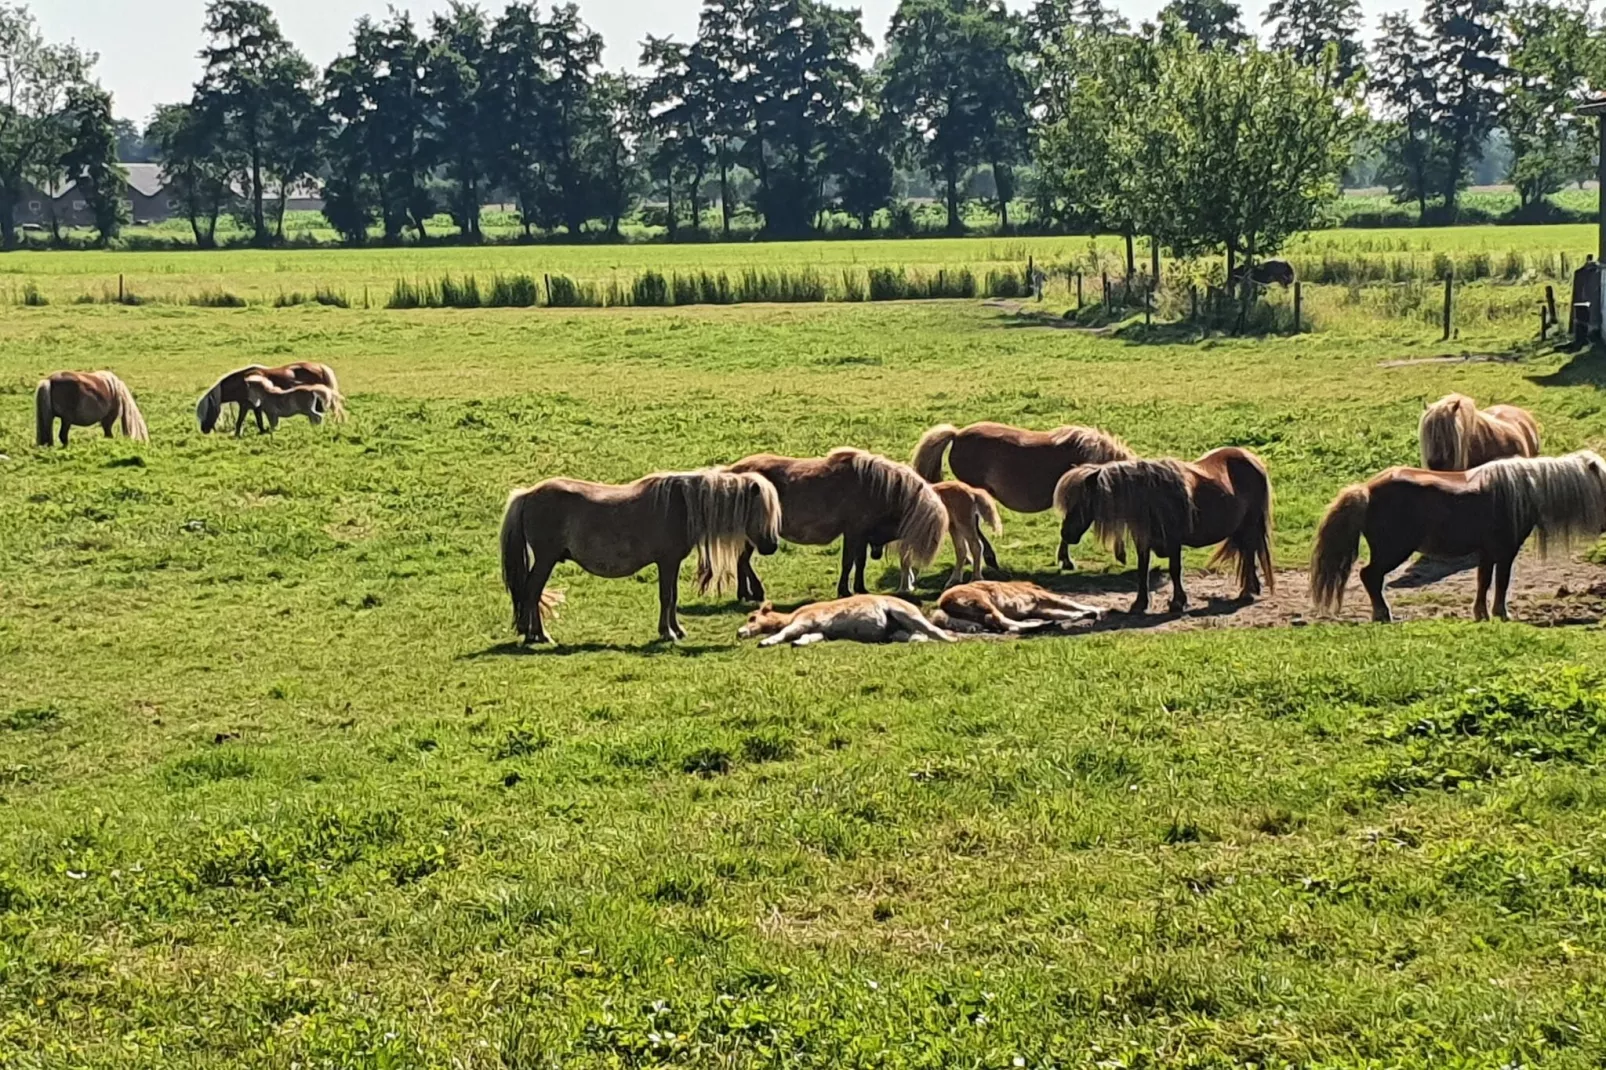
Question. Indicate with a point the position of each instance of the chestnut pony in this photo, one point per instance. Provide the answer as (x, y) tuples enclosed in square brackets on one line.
[(862, 498), (231, 389), (1489, 511), (1223, 497), (616, 531), (81, 399), (1456, 435), (1018, 467)]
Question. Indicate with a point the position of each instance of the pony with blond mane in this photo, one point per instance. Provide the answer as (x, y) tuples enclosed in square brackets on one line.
[(1489, 511), (862, 498), (616, 531), (1224, 497), (1456, 435), (231, 390), (1018, 467), (314, 401), (83, 399)]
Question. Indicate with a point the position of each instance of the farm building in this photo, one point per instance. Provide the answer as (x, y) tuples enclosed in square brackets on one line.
[(149, 196)]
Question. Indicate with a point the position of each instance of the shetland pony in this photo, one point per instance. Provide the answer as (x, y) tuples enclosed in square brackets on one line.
[(314, 401), (860, 497), (969, 509), (82, 399), (1456, 435), (1010, 608), (231, 390), (1489, 511), (862, 618), (1224, 497), (617, 531), (1019, 468)]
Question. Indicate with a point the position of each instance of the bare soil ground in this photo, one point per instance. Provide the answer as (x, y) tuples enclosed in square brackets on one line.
[(1549, 593)]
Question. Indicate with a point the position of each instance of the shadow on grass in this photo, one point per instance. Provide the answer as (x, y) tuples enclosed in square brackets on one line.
[(1586, 368), (1078, 582), (1425, 570), (562, 650), (1124, 621)]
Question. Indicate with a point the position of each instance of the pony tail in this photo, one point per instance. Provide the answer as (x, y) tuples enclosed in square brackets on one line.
[(929, 451), (133, 422), (516, 557), (986, 510), (44, 413), (337, 405), (1338, 544), (1268, 529)]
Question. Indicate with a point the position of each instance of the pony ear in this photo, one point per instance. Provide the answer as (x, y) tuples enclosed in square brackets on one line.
[(767, 607)]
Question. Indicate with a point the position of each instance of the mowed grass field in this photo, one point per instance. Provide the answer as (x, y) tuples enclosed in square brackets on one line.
[(280, 789)]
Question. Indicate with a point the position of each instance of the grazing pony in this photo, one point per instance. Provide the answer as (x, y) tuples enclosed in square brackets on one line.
[(1019, 468), (1489, 511), (1456, 435), (862, 618), (617, 531), (1223, 497), (81, 399), (1010, 608), (860, 497), (314, 401), (231, 390)]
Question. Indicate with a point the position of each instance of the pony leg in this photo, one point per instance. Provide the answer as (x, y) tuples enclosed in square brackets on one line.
[(668, 601), (987, 550), (809, 639), (64, 426), (532, 627), (785, 635), (853, 548), (1065, 562), (1179, 597), (1373, 575), (106, 426), (748, 586), (1502, 587), (1142, 604), (1480, 605)]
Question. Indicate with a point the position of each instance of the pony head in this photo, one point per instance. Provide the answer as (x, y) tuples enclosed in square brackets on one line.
[(763, 515), (763, 621), (207, 410), (1076, 499)]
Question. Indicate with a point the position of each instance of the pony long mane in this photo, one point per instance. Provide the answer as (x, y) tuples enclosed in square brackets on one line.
[(1562, 498), (720, 511), (1446, 432), (337, 405), (1098, 447), (132, 420), (1152, 501), (924, 519)]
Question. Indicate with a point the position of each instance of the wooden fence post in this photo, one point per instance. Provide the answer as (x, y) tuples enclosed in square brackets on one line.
[(1449, 304), (1193, 303), (120, 294), (1544, 323), (1148, 305), (1105, 276), (1298, 303), (1550, 303), (1078, 291), (548, 279)]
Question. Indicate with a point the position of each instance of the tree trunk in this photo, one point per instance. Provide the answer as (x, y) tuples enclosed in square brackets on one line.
[(725, 198), (950, 174), (674, 226), (1154, 261), (1131, 255), (697, 200), (1232, 267), (257, 217), (8, 219)]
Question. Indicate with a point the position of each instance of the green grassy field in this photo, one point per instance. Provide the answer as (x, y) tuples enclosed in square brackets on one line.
[(279, 789)]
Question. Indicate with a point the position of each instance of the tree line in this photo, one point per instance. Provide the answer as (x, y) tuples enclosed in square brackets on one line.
[(1188, 130)]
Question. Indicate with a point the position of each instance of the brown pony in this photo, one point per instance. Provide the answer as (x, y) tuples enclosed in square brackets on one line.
[(231, 390), (860, 497), (1456, 435), (1489, 511), (969, 509), (1018, 467), (1011, 608), (617, 531), (1223, 497), (81, 399), (314, 401)]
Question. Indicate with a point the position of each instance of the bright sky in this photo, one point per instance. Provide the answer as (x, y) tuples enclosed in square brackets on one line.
[(148, 48)]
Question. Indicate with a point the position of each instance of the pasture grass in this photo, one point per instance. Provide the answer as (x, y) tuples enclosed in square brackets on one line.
[(280, 789)]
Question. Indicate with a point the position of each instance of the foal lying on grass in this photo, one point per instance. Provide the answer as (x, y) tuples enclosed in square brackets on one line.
[(862, 618), (1011, 608)]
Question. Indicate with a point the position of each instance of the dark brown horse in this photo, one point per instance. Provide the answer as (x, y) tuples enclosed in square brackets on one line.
[(1267, 272), (82, 399), (617, 531), (1456, 435), (231, 389), (859, 497), (1018, 467), (1223, 497), (1489, 511)]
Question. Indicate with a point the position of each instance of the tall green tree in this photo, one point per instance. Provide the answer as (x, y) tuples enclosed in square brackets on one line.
[(680, 116), (954, 84), (195, 165), (1402, 79), (1556, 53), (1466, 39), (90, 160), (463, 115), (516, 81), (1214, 23), (260, 90), (611, 134), (571, 53), (1307, 28), (719, 67), (863, 164), (36, 80)]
